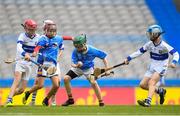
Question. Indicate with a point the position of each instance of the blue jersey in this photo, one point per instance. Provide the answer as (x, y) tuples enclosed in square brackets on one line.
[(50, 48), (88, 57)]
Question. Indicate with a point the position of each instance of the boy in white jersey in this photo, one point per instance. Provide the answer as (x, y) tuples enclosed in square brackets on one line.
[(25, 47), (159, 54)]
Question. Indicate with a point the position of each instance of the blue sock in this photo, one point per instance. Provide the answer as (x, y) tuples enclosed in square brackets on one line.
[(9, 99), (148, 100)]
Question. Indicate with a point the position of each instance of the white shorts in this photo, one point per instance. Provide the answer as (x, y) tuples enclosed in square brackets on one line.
[(162, 70), (25, 69), (80, 72), (43, 73)]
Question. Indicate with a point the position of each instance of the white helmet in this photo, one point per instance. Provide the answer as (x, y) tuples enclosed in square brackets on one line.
[(46, 23), (154, 31)]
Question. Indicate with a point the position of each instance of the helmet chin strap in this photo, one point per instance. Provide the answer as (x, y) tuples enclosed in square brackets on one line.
[(30, 36)]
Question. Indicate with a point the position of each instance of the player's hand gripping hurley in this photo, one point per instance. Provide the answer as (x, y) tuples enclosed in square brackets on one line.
[(99, 72), (50, 70)]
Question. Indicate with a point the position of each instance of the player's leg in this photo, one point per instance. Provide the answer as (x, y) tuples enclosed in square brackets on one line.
[(144, 83), (97, 91), (16, 81), (55, 86), (160, 90), (67, 78), (53, 98), (21, 88), (34, 94), (94, 85), (152, 87), (36, 87), (24, 79)]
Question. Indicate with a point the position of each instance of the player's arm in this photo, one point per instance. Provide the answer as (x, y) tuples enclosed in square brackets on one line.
[(138, 53), (75, 63), (175, 55), (40, 45), (67, 38), (61, 49), (105, 62), (102, 55), (20, 48)]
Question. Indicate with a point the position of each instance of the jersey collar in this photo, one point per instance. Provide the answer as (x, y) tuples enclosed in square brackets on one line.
[(157, 44)]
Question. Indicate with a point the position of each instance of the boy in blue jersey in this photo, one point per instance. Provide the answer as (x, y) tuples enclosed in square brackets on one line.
[(46, 24), (49, 46), (159, 55), (83, 64)]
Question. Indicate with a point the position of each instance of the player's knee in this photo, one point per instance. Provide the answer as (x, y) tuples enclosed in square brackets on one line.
[(142, 85), (93, 83), (56, 86), (40, 86), (66, 79)]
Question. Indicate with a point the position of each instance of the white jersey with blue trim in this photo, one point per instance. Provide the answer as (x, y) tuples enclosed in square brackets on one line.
[(25, 45), (159, 54)]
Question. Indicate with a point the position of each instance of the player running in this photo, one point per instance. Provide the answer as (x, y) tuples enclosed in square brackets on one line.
[(46, 25), (83, 64), (159, 54), (48, 46), (25, 47)]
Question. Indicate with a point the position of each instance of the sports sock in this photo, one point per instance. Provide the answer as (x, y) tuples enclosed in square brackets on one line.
[(148, 100), (34, 96), (9, 99)]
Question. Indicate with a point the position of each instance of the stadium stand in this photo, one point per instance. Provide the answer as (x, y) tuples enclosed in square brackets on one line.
[(117, 26)]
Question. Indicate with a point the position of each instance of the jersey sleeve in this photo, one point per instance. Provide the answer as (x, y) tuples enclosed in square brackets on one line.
[(61, 46), (20, 42), (173, 52), (67, 37), (139, 52), (41, 42), (99, 53)]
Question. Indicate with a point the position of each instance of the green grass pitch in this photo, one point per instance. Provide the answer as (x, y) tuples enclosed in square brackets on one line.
[(90, 110)]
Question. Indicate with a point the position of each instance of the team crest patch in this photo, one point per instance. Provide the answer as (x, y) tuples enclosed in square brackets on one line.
[(163, 51)]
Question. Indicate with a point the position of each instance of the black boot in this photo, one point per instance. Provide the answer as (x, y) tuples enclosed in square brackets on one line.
[(162, 94), (68, 102), (45, 102)]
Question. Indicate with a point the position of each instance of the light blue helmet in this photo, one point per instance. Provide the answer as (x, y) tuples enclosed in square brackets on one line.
[(154, 31)]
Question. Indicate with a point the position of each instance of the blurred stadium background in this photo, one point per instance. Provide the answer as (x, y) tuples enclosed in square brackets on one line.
[(116, 26)]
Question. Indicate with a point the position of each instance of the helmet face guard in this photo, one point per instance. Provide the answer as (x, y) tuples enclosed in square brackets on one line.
[(79, 45), (51, 31), (79, 42), (153, 32)]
